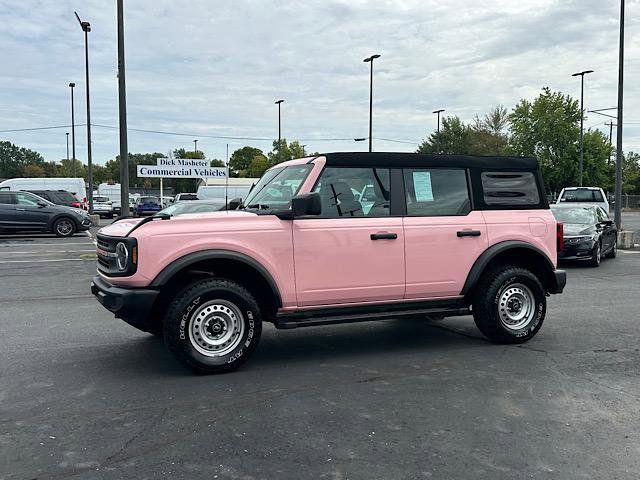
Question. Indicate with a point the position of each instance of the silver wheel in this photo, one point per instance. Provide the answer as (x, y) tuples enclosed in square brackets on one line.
[(516, 306), (216, 328), (598, 254), (64, 227)]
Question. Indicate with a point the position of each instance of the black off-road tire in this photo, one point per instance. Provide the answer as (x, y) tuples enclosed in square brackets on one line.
[(596, 256), (203, 310), (493, 304), (64, 227)]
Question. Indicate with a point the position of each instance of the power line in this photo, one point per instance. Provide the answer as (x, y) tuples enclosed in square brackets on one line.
[(40, 128)]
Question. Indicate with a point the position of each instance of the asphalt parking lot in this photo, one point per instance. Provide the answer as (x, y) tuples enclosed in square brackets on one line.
[(83, 395)]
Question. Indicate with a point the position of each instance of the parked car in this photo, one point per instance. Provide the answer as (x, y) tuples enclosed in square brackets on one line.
[(588, 234), (102, 206), (192, 206), (146, 205), (75, 186), (24, 211), (113, 192), (185, 196), (429, 245), (584, 196), (59, 197)]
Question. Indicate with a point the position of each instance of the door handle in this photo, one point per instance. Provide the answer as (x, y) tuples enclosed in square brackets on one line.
[(469, 233), (384, 236)]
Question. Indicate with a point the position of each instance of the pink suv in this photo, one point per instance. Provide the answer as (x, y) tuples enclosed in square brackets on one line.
[(341, 237)]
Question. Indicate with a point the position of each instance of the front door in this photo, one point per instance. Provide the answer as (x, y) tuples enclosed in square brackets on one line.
[(29, 213), (7, 210), (443, 237), (351, 252)]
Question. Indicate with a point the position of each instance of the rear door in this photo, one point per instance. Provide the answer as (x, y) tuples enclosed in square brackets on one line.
[(347, 255), (443, 237)]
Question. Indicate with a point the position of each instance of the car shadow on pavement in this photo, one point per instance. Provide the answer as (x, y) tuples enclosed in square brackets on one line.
[(314, 345)]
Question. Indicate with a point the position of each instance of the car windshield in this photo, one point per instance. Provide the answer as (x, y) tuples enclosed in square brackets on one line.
[(581, 216), (101, 199), (188, 196), (277, 187), (583, 195), (181, 208), (149, 200)]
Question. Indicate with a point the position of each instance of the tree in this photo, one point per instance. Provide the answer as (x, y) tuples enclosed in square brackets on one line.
[(258, 165), (549, 129), (241, 159), (597, 171), (14, 159), (280, 153), (72, 168), (631, 173), (296, 150), (33, 171), (218, 163), (182, 153), (454, 138), (489, 134)]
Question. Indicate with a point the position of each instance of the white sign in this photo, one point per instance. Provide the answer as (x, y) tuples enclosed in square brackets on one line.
[(182, 162), (171, 171), (422, 186)]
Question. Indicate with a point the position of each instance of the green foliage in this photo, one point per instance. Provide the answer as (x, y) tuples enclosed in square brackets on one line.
[(241, 159), (296, 150), (182, 153), (258, 166), (14, 159), (33, 171), (549, 129), (66, 168), (631, 173), (280, 153), (218, 163)]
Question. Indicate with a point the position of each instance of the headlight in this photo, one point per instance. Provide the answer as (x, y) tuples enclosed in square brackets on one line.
[(122, 256)]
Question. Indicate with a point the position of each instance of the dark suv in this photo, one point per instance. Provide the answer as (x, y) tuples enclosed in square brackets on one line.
[(59, 197), (24, 211)]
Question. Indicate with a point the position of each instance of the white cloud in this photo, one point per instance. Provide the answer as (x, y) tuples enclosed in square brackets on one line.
[(215, 68)]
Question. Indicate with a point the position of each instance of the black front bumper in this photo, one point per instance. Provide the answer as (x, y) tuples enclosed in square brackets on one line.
[(133, 305), (559, 281)]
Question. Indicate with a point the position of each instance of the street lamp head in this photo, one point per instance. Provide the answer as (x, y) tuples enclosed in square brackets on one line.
[(72, 84), (371, 58), (361, 139), (278, 102), (580, 74), (438, 111), (86, 26)]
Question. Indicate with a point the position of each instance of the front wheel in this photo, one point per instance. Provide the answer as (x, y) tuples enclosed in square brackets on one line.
[(614, 250), (596, 255), (510, 305), (64, 227), (213, 325)]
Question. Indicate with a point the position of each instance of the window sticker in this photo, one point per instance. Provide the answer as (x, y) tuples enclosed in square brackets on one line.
[(422, 186)]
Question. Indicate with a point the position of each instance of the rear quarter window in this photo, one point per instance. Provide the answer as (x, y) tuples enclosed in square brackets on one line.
[(510, 188)]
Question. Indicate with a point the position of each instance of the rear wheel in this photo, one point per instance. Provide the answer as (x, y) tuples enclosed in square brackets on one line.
[(64, 227), (509, 305), (213, 325)]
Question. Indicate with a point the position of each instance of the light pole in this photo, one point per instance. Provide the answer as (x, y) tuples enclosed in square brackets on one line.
[(618, 206), (67, 134), (86, 28), (303, 151), (73, 133), (122, 111), (195, 146), (438, 112), (279, 102), (581, 75), (370, 60)]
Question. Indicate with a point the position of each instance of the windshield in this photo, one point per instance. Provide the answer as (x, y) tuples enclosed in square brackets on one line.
[(149, 200), (191, 207), (581, 216), (277, 187), (583, 195), (101, 199)]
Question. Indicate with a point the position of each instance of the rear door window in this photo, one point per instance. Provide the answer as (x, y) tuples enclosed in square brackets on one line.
[(510, 188), (436, 192), (582, 195)]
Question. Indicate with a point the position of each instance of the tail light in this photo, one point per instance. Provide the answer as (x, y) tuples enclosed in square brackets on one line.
[(559, 237), (75, 204)]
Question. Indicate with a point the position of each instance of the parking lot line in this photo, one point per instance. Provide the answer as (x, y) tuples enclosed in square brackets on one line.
[(47, 252), (49, 260), (45, 244)]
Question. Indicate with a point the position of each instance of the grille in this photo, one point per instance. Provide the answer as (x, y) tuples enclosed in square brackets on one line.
[(106, 264)]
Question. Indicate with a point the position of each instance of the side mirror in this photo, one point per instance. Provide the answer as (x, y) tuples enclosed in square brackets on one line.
[(607, 223), (41, 204), (306, 204), (234, 203)]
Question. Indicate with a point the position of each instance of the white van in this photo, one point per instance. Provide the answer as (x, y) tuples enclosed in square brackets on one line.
[(583, 196), (71, 185), (112, 191)]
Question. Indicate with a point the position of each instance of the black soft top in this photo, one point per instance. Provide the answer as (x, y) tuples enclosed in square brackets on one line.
[(395, 159)]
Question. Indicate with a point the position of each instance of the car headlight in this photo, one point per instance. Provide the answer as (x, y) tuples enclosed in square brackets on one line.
[(122, 256)]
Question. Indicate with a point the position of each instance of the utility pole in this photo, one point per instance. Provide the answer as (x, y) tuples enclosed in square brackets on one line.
[(370, 60), (279, 102), (86, 28), (73, 132), (122, 108), (195, 146), (439, 111), (581, 75), (67, 134), (618, 206)]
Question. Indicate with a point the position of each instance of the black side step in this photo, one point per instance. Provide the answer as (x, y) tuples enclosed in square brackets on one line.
[(330, 316)]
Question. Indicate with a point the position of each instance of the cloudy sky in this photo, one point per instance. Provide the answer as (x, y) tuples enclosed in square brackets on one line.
[(213, 68)]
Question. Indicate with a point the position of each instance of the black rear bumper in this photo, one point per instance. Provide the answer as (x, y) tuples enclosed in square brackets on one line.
[(559, 281), (133, 305)]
